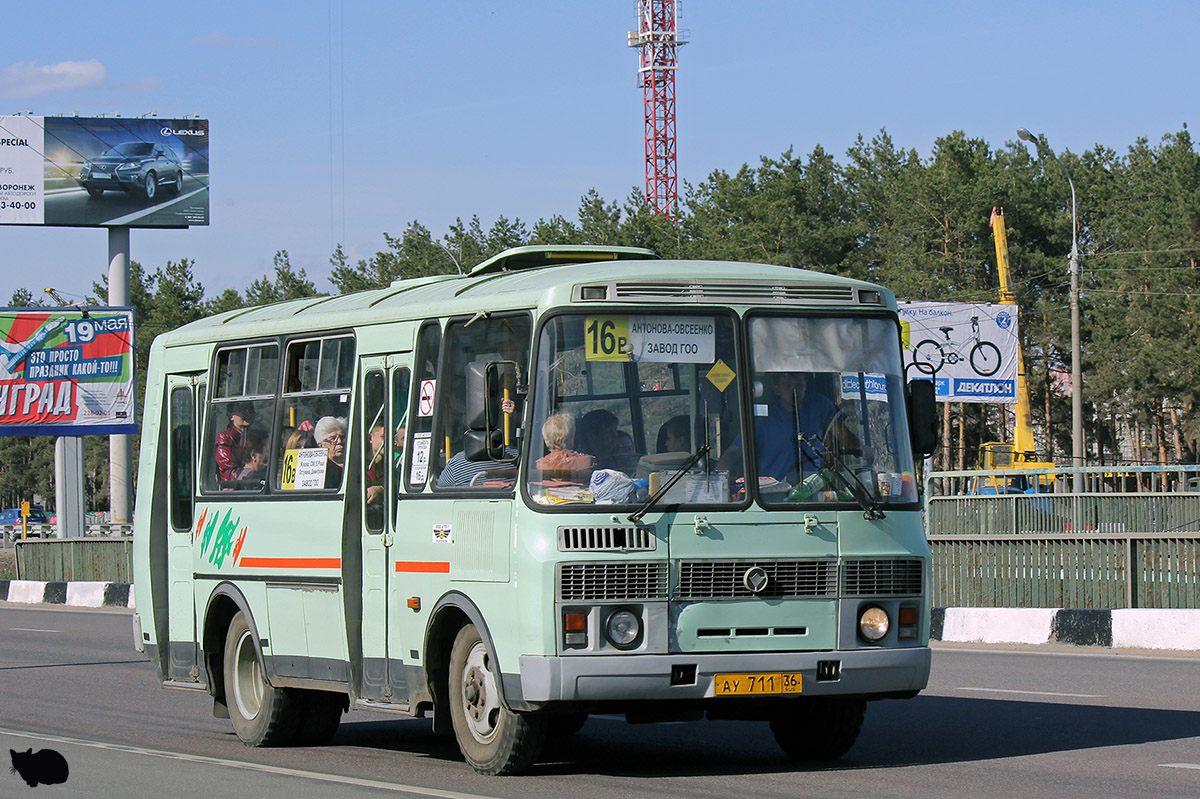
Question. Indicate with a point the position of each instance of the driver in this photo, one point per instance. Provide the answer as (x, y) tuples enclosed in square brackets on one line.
[(775, 430)]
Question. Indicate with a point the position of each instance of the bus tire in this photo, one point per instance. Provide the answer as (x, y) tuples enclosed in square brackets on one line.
[(319, 718), (261, 715), (819, 729), (493, 739)]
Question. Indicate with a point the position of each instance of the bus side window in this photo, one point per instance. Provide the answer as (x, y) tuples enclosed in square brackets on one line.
[(476, 340), (374, 450), (314, 418), (181, 428), (399, 429), (243, 402), (420, 449)]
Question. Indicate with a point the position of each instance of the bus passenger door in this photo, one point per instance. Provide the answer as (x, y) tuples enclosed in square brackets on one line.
[(384, 398), (181, 421)]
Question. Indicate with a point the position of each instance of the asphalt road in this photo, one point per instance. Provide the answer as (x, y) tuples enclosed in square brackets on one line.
[(994, 722)]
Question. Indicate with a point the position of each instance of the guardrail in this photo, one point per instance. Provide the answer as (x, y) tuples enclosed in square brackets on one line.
[(1131, 539), (103, 559), (12, 532)]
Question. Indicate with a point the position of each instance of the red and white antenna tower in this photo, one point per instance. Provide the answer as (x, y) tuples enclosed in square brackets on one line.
[(658, 37)]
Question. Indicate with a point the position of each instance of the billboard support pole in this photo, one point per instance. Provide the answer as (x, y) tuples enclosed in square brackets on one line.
[(119, 447), (68, 486)]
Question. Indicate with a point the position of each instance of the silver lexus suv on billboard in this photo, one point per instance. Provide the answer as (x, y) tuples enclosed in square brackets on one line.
[(139, 167)]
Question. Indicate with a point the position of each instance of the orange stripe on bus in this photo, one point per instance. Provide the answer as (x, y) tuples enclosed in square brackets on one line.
[(292, 563), (422, 566)]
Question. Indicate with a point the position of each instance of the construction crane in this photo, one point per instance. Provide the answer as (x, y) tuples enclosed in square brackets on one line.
[(1021, 452), (658, 38)]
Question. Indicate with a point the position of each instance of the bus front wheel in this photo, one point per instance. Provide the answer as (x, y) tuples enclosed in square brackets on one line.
[(261, 715), (819, 729), (492, 738)]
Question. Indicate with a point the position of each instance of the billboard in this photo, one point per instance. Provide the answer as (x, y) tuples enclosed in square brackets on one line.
[(968, 349), (66, 372), (103, 171)]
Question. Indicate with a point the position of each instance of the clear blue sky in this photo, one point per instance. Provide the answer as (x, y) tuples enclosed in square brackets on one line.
[(337, 121)]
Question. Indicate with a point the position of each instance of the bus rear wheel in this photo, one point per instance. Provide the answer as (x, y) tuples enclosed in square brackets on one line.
[(493, 739), (820, 728), (261, 715)]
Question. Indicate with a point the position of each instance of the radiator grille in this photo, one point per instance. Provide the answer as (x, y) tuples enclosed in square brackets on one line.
[(724, 579), (883, 577), (612, 582), (605, 539), (777, 293)]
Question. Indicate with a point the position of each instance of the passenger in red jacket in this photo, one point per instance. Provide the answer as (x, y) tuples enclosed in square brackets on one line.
[(231, 442)]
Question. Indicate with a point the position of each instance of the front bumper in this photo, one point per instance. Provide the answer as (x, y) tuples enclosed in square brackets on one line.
[(649, 677)]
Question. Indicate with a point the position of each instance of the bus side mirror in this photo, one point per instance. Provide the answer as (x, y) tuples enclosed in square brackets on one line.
[(922, 416), (479, 397)]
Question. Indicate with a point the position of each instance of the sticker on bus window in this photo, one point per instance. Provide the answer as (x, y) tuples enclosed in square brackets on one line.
[(720, 375), (425, 398), (304, 469), (876, 386), (418, 467), (606, 338)]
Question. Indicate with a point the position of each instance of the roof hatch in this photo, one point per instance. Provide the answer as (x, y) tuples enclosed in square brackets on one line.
[(519, 258)]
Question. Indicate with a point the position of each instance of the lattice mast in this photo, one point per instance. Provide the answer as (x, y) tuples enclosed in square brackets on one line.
[(658, 38)]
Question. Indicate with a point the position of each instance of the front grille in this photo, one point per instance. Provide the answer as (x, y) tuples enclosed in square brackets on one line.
[(724, 579), (611, 582), (883, 577), (734, 292), (605, 539)]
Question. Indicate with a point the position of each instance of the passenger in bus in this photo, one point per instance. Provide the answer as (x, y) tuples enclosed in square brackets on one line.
[(231, 442), (330, 433), (775, 437), (376, 465), (558, 431), (255, 469), (461, 472), (674, 436), (599, 437)]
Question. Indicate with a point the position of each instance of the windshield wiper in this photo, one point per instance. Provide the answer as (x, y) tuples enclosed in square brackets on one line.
[(680, 472), (858, 489)]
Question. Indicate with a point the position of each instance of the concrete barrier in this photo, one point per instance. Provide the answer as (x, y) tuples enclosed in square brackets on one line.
[(85, 594), (1140, 628)]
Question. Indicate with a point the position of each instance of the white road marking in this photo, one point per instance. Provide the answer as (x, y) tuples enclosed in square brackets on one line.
[(1181, 765), (279, 770), (1033, 693), (31, 630)]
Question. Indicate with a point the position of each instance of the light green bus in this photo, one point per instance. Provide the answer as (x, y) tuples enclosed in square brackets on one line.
[(574, 481)]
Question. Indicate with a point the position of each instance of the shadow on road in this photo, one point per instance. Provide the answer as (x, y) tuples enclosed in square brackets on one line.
[(924, 731)]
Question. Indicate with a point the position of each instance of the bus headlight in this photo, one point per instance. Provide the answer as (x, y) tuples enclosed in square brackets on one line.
[(873, 624), (623, 628)]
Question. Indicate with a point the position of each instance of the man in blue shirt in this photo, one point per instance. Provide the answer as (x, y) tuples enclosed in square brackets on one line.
[(779, 453)]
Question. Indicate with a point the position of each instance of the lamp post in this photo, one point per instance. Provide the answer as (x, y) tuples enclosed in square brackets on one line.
[(1077, 454)]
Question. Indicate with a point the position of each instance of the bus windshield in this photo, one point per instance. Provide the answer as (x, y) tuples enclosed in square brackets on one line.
[(829, 411), (621, 401)]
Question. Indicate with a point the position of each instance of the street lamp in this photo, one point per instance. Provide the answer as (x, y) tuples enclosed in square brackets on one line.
[(1077, 454)]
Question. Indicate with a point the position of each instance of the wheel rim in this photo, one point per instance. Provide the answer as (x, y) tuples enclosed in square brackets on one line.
[(481, 699), (151, 185), (178, 181), (247, 678)]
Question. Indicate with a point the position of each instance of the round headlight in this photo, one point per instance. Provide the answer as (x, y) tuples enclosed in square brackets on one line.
[(873, 624), (623, 628)]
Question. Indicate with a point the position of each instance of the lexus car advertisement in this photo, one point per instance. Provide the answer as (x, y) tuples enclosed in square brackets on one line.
[(103, 171)]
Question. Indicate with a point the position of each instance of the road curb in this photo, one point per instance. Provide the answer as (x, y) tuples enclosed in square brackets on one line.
[(74, 593), (1138, 628)]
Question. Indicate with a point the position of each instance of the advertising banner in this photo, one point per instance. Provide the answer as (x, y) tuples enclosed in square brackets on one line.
[(969, 350), (103, 171), (66, 373)]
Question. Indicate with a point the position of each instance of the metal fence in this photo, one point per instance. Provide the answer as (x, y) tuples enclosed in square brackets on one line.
[(1131, 539), (107, 559)]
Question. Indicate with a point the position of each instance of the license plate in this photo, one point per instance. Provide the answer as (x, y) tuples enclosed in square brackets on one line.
[(786, 682)]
